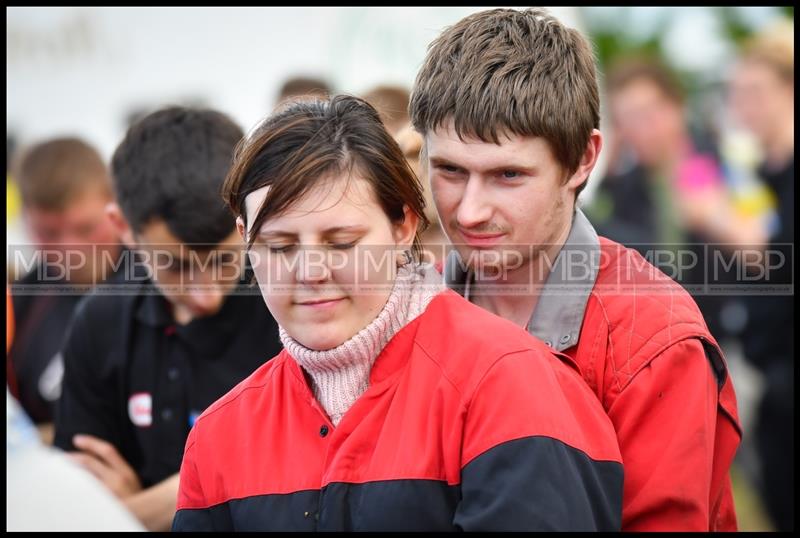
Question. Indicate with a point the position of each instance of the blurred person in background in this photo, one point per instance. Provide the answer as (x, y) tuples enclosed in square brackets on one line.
[(45, 491), (65, 188), (141, 365), (391, 102), (508, 104), (302, 87), (656, 157), (666, 191), (761, 97)]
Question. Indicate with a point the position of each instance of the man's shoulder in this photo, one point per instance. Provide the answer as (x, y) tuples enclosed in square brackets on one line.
[(28, 288), (101, 321), (104, 308), (34, 276), (637, 297), (643, 311), (627, 265), (625, 277)]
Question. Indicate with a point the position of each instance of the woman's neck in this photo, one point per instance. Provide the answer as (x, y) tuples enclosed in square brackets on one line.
[(341, 375)]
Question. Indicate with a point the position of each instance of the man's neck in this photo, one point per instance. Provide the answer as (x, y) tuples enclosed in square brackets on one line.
[(517, 308), (514, 294)]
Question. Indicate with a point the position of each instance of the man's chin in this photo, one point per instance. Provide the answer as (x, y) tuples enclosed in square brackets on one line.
[(490, 262), (488, 271)]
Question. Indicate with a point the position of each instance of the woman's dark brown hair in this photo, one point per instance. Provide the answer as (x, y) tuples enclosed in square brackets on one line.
[(309, 141)]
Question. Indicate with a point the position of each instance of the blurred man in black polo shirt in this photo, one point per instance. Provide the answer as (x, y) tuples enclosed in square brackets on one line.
[(146, 356)]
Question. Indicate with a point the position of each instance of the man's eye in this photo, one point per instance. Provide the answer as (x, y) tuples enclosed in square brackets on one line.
[(278, 249), (510, 174), (343, 246)]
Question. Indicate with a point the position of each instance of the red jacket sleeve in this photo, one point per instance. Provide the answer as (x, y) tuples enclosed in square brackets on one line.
[(193, 513), (190, 494), (666, 422)]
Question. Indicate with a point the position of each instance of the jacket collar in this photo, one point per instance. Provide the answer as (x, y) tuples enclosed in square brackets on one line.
[(558, 316)]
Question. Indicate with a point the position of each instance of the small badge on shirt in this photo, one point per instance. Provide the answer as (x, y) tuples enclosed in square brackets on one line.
[(140, 409), (193, 414), (50, 380)]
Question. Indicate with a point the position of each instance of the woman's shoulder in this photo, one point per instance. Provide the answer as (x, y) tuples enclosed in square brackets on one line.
[(246, 390), (466, 341), (455, 318)]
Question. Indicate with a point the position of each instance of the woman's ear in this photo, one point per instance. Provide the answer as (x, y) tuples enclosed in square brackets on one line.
[(240, 227), (406, 231)]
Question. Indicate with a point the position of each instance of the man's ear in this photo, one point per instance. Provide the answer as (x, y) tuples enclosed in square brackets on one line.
[(588, 160), (120, 223), (240, 227)]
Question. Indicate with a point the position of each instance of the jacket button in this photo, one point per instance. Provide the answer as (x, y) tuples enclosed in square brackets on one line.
[(323, 431), (548, 343), (565, 339)]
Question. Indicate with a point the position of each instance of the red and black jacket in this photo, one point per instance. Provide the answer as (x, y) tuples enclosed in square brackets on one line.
[(469, 423)]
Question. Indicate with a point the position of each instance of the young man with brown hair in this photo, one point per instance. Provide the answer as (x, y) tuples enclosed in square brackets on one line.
[(508, 104)]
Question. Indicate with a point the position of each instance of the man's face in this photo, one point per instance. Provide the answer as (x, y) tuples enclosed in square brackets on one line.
[(194, 278), (495, 202), (80, 235)]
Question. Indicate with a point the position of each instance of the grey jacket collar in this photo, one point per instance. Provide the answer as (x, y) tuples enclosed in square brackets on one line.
[(559, 313)]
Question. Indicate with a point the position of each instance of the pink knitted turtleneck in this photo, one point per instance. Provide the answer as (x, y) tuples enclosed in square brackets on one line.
[(341, 375)]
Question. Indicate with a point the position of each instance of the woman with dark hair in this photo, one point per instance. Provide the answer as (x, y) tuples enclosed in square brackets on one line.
[(395, 404)]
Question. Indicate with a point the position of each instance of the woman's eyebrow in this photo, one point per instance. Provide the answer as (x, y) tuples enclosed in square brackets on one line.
[(275, 234), (281, 234), (337, 229)]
